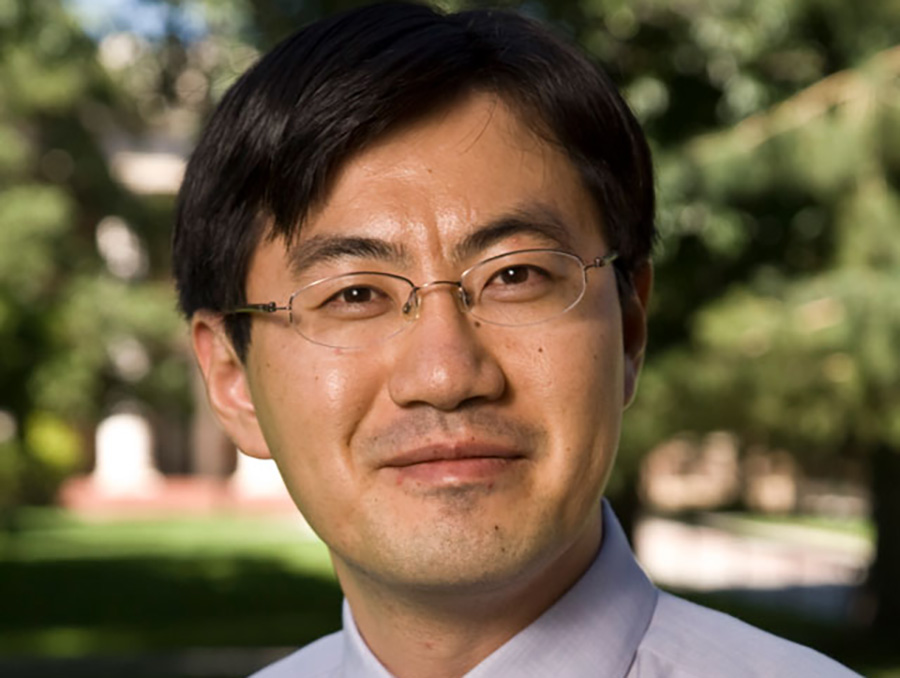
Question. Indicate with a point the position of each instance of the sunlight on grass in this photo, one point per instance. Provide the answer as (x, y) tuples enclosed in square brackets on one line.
[(857, 527), (53, 535)]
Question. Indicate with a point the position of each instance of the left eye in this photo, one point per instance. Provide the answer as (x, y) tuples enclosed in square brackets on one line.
[(521, 282), (518, 275)]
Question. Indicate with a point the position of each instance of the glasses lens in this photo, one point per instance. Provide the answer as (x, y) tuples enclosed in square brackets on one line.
[(351, 311), (524, 288), (362, 309)]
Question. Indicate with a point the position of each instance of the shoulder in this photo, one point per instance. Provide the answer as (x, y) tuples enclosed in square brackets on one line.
[(320, 659), (685, 640)]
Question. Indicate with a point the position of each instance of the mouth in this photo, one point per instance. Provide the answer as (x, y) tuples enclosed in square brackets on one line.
[(454, 465)]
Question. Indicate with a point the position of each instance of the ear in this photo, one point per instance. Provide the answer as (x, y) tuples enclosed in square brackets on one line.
[(226, 384), (634, 302)]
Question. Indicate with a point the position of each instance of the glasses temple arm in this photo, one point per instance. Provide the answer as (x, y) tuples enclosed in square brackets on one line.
[(269, 307), (600, 262)]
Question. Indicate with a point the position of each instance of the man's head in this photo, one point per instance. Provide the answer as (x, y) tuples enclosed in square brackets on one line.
[(400, 141)]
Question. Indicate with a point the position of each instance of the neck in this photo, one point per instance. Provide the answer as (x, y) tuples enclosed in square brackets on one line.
[(444, 633)]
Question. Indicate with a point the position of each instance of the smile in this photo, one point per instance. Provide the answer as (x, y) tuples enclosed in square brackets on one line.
[(453, 465)]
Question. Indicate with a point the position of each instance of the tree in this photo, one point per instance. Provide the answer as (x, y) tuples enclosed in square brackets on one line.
[(808, 360), (86, 312)]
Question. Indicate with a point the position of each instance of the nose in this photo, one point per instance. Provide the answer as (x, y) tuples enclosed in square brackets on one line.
[(442, 360)]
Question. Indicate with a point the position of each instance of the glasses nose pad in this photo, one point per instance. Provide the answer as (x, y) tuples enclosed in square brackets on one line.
[(410, 308), (465, 299)]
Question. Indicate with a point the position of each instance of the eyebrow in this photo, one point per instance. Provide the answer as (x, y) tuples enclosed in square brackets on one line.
[(537, 219), (324, 248)]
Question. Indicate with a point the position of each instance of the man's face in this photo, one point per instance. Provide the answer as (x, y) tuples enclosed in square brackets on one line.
[(518, 426)]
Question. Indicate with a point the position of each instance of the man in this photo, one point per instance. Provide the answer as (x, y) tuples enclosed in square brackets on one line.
[(414, 249)]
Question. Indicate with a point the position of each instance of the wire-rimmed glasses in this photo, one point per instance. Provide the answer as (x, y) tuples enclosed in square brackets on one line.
[(364, 308)]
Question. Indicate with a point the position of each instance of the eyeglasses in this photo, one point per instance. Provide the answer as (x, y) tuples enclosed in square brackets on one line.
[(361, 309)]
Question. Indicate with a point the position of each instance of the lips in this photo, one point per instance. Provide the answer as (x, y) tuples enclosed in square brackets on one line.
[(453, 465), (452, 453)]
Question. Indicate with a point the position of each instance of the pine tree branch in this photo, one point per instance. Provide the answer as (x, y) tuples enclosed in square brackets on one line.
[(851, 87)]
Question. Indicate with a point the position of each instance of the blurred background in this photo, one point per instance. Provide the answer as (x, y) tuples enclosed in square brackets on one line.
[(759, 470)]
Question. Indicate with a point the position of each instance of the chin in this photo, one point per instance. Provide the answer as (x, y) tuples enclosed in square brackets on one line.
[(460, 558)]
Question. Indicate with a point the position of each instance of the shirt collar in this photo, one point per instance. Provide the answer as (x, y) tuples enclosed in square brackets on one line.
[(359, 662), (595, 629)]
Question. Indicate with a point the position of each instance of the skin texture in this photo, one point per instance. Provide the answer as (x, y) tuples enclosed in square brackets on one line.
[(442, 562)]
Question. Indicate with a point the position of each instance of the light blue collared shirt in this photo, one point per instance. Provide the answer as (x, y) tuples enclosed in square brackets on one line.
[(613, 623)]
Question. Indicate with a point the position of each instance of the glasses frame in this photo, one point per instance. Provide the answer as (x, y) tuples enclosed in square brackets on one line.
[(410, 309)]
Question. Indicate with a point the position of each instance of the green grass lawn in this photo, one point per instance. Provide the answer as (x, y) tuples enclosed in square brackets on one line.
[(856, 527), (73, 588)]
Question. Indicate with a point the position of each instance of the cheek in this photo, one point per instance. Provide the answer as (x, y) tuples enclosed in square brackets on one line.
[(310, 401), (571, 382), (339, 392), (312, 408), (571, 370)]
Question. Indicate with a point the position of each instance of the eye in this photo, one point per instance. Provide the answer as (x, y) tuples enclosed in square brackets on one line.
[(519, 282), (356, 295), (356, 302), (519, 274), (515, 275)]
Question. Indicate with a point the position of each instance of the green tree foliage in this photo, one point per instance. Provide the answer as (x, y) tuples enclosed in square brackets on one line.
[(801, 351), (81, 328)]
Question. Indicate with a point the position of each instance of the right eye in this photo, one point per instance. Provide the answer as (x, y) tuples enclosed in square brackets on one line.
[(355, 295), (365, 295), (357, 302)]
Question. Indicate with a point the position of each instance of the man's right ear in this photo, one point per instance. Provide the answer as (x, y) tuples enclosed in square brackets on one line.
[(226, 383)]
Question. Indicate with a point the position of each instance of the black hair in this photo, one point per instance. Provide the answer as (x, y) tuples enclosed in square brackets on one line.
[(287, 125)]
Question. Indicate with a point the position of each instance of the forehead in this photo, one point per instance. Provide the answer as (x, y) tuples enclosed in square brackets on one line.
[(430, 188)]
